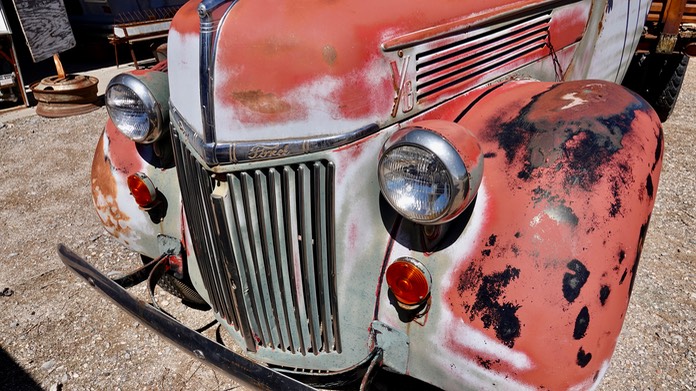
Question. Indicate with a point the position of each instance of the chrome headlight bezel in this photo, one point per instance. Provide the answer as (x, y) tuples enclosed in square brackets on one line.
[(446, 155), (155, 104)]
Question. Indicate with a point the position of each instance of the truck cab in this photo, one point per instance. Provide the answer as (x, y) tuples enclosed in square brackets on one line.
[(659, 65)]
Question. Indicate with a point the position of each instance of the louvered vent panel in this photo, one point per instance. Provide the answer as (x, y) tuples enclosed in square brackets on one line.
[(461, 62)]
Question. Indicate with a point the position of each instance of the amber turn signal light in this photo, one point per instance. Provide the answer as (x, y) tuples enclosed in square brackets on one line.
[(409, 281), (142, 189)]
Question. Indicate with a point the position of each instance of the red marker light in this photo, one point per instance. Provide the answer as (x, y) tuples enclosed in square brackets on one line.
[(409, 281), (142, 189)]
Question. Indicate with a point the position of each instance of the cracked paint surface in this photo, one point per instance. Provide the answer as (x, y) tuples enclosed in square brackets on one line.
[(116, 158), (543, 278)]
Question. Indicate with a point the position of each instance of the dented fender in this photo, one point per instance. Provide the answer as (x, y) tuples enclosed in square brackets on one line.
[(115, 158), (533, 289)]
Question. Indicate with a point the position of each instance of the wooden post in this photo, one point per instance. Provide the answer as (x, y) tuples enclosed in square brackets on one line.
[(59, 66)]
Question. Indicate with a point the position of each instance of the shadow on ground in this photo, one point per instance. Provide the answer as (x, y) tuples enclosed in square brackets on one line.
[(13, 376)]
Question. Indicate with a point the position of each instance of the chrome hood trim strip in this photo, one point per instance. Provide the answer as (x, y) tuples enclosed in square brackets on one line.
[(253, 151), (208, 44)]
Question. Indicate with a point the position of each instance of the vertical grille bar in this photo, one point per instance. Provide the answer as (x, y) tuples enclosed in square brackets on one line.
[(320, 237), (218, 271), (195, 192), (330, 244), (268, 262), (223, 217), (198, 218), (264, 243), (259, 264), (291, 219), (246, 260), (307, 251), (234, 242), (284, 266)]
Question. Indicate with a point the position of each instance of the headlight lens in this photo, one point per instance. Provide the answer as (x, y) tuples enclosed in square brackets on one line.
[(133, 107), (128, 112), (416, 183), (424, 177)]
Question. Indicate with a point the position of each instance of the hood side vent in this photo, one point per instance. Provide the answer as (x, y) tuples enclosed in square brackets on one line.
[(463, 60)]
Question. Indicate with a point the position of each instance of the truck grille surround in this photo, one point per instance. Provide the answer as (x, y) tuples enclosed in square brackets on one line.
[(264, 244)]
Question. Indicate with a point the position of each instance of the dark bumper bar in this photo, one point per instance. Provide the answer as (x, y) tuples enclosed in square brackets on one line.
[(238, 367)]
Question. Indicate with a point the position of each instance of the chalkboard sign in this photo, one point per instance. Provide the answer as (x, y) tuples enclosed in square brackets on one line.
[(46, 27)]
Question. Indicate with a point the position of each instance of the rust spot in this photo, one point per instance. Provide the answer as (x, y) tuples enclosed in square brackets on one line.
[(329, 54), (615, 207), (491, 240), (641, 240), (604, 294), (658, 148), (586, 157), (104, 192), (501, 316), (261, 102), (573, 282), (623, 277), (111, 215), (556, 208), (487, 363), (102, 178), (572, 128), (583, 358), (582, 322)]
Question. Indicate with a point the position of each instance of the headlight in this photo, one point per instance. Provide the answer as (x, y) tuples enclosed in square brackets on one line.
[(424, 178), (138, 105), (416, 183)]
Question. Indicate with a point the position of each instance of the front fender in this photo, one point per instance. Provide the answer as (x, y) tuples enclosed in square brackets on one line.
[(115, 158), (533, 290)]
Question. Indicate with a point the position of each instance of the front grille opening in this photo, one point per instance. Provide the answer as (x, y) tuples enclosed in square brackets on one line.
[(264, 242)]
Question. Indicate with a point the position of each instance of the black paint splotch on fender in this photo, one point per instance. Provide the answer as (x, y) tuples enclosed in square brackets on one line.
[(488, 306), (574, 281), (565, 195), (582, 322)]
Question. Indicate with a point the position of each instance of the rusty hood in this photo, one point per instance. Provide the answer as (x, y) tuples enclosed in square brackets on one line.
[(298, 69)]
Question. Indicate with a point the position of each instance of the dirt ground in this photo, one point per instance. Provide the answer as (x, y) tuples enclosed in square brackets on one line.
[(57, 333)]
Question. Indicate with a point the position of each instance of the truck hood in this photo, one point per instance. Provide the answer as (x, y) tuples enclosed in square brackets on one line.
[(300, 69)]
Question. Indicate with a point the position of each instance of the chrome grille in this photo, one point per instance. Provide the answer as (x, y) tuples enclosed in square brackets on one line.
[(460, 61), (264, 242)]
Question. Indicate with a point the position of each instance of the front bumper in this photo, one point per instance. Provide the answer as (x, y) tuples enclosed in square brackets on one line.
[(238, 367)]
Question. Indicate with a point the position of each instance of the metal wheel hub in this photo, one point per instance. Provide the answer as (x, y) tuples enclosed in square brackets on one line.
[(65, 96)]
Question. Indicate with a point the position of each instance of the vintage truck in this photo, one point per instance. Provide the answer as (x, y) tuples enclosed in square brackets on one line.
[(397, 194), (659, 65)]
